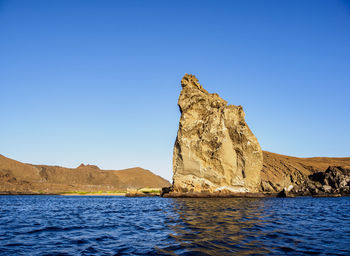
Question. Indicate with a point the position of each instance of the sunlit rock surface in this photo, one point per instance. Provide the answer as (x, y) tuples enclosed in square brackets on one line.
[(215, 152)]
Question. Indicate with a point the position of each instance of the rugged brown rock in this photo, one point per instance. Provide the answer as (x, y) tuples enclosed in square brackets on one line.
[(20, 178), (335, 180), (305, 176), (215, 151), (216, 155)]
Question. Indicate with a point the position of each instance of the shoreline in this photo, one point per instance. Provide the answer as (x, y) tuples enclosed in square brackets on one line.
[(92, 194), (59, 194), (126, 193), (252, 195)]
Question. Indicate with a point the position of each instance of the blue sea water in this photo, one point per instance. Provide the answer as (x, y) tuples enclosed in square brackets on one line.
[(84, 225)]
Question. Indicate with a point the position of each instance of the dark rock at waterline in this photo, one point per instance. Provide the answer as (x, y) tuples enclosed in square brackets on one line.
[(335, 180), (281, 171), (282, 194), (165, 190), (219, 194)]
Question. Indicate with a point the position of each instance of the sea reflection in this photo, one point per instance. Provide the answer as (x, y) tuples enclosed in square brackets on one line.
[(217, 226)]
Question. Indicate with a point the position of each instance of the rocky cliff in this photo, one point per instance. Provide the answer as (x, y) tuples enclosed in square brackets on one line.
[(305, 176), (215, 152)]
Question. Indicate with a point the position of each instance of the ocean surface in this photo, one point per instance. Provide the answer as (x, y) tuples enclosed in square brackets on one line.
[(84, 225)]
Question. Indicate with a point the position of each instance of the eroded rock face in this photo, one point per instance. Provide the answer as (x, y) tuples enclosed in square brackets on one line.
[(335, 180), (215, 151), (316, 176)]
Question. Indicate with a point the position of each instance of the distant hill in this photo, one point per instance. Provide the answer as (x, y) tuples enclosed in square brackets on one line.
[(21, 178), (279, 171)]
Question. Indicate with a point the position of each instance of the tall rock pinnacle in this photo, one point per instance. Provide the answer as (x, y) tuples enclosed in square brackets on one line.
[(215, 152)]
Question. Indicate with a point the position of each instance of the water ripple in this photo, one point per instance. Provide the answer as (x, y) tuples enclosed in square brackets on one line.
[(54, 225)]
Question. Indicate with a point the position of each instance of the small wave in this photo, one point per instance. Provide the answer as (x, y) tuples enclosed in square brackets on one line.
[(159, 226)]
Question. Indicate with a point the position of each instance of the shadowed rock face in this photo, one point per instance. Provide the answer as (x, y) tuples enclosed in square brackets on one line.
[(215, 151), (305, 176)]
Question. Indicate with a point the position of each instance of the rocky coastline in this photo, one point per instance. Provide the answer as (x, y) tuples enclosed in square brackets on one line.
[(217, 155), (333, 182)]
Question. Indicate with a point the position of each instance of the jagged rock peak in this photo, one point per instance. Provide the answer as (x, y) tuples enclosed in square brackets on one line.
[(214, 150), (90, 166), (190, 80)]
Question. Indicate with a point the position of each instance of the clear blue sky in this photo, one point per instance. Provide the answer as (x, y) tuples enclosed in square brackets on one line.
[(98, 81)]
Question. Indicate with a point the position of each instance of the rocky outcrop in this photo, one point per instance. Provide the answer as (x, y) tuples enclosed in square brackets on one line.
[(88, 166), (334, 181), (317, 176), (215, 152)]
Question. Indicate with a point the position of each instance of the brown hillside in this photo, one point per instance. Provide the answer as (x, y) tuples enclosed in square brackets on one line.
[(138, 177), (17, 177), (280, 171)]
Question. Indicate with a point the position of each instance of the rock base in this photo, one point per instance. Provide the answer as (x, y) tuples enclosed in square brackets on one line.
[(168, 193), (141, 194), (217, 195)]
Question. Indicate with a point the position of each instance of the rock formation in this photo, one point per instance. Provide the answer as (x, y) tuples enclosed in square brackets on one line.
[(215, 152), (293, 176), (335, 181)]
